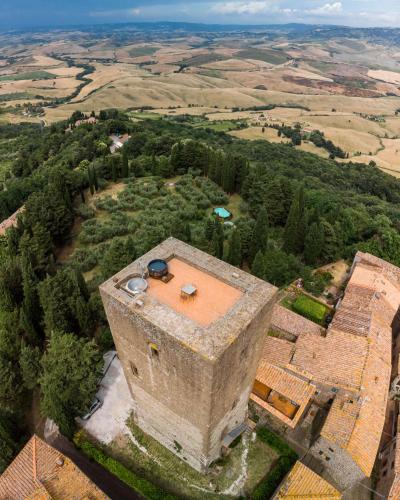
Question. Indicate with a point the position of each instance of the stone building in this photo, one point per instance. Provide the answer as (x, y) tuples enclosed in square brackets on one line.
[(342, 375), (181, 338)]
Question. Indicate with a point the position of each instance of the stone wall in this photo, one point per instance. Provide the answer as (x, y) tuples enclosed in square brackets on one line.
[(337, 462), (190, 385)]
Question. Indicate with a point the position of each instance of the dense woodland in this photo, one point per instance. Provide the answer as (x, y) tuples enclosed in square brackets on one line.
[(297, 212)]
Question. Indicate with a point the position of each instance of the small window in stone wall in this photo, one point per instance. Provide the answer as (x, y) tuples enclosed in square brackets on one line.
[(134, 369), (154, 350)]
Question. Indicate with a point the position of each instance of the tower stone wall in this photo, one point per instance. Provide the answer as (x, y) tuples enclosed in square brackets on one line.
[(190, 383)]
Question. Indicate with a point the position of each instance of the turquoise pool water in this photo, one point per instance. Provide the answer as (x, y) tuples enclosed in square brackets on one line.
[(222, 212)]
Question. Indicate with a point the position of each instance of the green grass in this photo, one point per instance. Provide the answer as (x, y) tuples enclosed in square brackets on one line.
[(202, 59), (137, 483), (14, 96), (174, 475), (32, 75), (144, 115), (234, 206), (310, 309), (269, 56), (218, 126), (286, 460), (142, 51)]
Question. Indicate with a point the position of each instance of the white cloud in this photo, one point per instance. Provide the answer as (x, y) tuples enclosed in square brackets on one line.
[(327, 9), (251, 7), (116, 13)]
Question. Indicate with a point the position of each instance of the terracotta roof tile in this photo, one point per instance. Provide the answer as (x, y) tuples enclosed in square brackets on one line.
[(288, 385), (277, 351), (37, 468), (286, 321), (337, 359), (355, 355), (304, 484)]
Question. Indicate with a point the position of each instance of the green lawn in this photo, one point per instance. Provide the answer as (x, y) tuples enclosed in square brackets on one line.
[(310, 309)]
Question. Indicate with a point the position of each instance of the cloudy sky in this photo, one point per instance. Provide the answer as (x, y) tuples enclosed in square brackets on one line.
[(58, 12)]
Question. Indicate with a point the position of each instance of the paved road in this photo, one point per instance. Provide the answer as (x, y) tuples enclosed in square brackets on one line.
[(107, 482)]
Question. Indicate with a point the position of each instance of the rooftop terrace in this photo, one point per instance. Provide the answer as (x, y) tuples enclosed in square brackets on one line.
[(212, 300), (206, 305)]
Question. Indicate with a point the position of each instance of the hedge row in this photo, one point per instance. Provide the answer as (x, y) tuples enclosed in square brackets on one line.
[(140, 485), (285, 462)]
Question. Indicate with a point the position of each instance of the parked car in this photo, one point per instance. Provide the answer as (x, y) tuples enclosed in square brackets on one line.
[(96, 404)]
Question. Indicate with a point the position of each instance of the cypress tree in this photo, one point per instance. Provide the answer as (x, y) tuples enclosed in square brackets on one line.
[(130, 248), (9, 439), (258, 267), (293, 238), (314, 243), (260, 233), (71, 369), (41, 248), (277, 202), (235, 249), (29, 362), (113, 171), (218, 240), (209, 229), (30, 312), (331, 242), (90, 180), (95, 179), (80, 280)]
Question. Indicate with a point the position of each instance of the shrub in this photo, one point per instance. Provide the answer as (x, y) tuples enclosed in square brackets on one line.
[(282, 466), (106, 341), (276, 443), (310, 309), (84, 260), (138, 484), (272, 480), (85, 212), (317, 282)]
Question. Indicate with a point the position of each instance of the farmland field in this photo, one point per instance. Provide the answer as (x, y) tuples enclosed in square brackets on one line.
[(346, 87)]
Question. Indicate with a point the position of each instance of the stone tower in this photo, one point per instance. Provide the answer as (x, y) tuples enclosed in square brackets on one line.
[(189, 345)]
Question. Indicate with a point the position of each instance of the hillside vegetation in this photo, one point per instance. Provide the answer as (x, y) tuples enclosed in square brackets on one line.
[(88, 213)]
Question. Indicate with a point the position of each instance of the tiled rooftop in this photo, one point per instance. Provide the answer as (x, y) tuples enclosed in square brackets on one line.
[(303, 483), (277, 351), (286, 384), (355, 355), (41, 472), (286, 321), (10, 222)]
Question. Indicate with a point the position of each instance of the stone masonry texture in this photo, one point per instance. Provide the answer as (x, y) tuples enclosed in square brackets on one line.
[(190, 384)]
